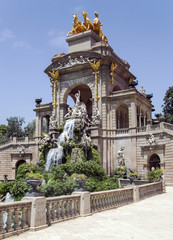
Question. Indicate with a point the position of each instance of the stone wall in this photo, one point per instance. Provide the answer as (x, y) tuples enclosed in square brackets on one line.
[(14, 152)]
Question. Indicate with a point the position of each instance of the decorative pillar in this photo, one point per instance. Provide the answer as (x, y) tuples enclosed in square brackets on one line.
[(132, 115)]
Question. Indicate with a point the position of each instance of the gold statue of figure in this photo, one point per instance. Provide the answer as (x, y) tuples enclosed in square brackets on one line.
[(77, 26), (113, 67), (98, 29), (87, 23), (54, 80), (96, 66)]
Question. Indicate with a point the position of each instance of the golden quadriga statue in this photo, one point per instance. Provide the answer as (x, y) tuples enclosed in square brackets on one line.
[(87, 25)]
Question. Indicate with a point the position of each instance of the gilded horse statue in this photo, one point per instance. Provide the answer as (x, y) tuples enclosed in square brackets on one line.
[(98, 29), (77, 26), (87, 23)]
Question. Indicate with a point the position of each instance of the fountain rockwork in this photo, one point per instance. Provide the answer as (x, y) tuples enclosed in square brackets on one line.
[(76, 120)]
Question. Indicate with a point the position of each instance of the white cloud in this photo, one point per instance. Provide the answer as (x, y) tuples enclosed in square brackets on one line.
[(6, 34), (21, 44)]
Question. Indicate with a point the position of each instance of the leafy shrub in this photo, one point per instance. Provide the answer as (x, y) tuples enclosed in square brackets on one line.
[(19, 188), (93, 155), (24, 168), (154, 175), (108, 184), (81, 176), (89, 168), (5, 187), (34, 175), (120, 171), (57, 188), (91, 184)]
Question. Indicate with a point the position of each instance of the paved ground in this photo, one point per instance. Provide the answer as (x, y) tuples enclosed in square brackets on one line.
[(150, 219)]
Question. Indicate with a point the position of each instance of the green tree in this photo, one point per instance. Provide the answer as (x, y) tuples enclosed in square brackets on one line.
[(3, 132), (15, 126), (30, 128), (167, 115), (168, 105)]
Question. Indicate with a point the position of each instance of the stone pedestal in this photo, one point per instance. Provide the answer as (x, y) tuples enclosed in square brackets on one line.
[(85, 208), (38, 212), (82, 41)]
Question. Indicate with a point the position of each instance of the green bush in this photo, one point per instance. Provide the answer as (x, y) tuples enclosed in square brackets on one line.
[(154, 175), (5, 187), (24, 168), (19, 189), (120, 171), (93, 155), (57, 188), (89, 168)]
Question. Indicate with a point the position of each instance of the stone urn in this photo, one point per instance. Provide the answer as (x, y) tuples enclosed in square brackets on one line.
[(34, 183), (81, 182)]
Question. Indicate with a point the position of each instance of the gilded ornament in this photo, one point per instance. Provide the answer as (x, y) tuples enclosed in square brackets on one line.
[(96, 66), (87, 25), (113, 67), (98, 29), (54, 80), (77, 26)]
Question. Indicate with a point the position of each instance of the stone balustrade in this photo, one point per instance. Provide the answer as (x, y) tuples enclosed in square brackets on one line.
[(122, 131), (149, 190), (35, 213), (14, 217), (61, 208), (15, 140), (110, 199)]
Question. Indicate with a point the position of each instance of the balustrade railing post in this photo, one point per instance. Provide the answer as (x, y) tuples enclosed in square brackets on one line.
[(38, 212), (136, 194), (2, 230), (85, 208)]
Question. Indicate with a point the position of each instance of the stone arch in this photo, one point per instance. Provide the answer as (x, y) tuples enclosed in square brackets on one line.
[(45, 126), (154, 161), (18, 163), (122, 116), (85, 97)]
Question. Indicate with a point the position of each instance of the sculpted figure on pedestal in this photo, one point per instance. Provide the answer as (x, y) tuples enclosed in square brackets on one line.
[(120, 156)]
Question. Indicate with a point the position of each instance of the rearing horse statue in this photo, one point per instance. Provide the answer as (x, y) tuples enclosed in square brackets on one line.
[(77, 26), (87, 23)]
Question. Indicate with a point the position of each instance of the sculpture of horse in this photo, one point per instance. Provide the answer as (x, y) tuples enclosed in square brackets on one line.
[(77, 26), (87, 23)]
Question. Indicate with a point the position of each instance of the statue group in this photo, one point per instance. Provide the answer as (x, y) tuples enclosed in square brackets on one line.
[(79, 27)]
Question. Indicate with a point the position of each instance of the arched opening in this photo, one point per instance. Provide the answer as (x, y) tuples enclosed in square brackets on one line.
[(116, 88), (154, 161), (19, 163), (45, 125), (85, 97), (122, 117)]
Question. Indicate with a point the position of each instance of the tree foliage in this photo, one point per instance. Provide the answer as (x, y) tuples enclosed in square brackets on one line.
[(167, 115), (168, 105), (30, 129), (15, 126)]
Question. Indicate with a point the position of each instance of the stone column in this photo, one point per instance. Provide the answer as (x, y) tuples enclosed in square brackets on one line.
[(136, 194), (132, 115), (140, 118)]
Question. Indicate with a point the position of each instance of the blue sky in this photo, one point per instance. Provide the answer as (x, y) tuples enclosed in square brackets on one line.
[(32, 31)]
